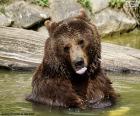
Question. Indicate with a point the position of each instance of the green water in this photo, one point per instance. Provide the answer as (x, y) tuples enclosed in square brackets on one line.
[(15, 86), (131, 39)]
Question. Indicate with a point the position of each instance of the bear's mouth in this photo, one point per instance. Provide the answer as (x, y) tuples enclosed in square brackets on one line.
[(79, 65), (81, 71)]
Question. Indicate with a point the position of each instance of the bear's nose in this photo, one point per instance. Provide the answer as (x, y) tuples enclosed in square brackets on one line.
[(79, 62)]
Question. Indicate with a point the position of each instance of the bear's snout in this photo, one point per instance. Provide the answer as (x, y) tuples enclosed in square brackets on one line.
[(78, 59), (79, 65), (79, 62)]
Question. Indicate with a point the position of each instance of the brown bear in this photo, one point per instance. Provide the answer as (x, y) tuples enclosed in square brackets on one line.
[(70, 74)]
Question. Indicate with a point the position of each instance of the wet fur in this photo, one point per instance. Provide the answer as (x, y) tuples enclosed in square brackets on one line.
[(55, 83)]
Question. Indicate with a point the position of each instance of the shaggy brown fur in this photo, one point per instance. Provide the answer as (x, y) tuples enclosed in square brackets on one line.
[(56, 82)]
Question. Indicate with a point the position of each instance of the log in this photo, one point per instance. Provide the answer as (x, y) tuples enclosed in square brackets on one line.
[(118, 58), (22, 49)]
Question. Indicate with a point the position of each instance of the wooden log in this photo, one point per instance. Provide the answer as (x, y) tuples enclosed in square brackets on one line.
[(20, 48), (120, 59), (23, 50)]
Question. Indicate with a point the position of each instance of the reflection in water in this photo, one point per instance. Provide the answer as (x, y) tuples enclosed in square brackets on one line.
[(15, 86), (131, 39)]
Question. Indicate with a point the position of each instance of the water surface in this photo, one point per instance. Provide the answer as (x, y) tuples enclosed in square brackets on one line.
[(14, 86), (131, 39)]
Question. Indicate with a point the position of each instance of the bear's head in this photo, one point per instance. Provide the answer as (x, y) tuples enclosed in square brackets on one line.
[(76, 44)]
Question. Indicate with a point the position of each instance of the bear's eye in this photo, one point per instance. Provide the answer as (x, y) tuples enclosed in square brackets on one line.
[(81, 43), (66, 49)]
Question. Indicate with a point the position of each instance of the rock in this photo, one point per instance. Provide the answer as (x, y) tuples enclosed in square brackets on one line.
[(107, 20), (132, 8), (110, 21), (4, 21), (24, 15), (23, 50), (61, 9), (98, 5)]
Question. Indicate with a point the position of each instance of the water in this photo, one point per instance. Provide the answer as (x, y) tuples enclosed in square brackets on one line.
[(131, 39), (14, 86)]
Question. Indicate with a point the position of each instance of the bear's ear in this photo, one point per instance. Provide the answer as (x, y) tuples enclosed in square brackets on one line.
[(83, 15), (50, 26)]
